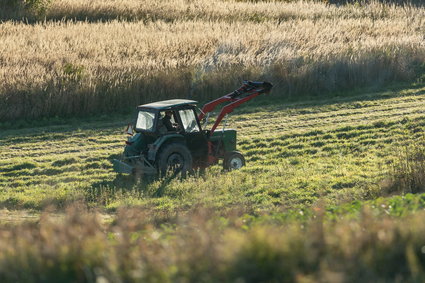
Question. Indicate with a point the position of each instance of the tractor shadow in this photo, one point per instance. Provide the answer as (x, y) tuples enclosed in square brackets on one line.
[(137, 185), (164, 181), (146, 186)]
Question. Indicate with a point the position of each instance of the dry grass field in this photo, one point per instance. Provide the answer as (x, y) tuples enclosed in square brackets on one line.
[(199, 49)]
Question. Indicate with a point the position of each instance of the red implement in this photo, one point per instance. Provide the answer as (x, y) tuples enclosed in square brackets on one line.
[(246, 92)]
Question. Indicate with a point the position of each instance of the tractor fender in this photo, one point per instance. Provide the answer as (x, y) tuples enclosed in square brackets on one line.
[(156, 146)]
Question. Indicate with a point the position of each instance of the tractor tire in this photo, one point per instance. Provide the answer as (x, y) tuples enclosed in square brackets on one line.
[(233, 160), (174, 158)]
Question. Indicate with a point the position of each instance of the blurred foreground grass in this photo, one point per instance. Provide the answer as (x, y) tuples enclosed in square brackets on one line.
[(205, 247)]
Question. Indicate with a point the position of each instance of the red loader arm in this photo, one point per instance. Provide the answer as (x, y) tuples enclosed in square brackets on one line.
[(246, 92)]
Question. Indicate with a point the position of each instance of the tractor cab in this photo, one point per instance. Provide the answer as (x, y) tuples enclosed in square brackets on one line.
[(172, 121), (168, 135), (159, 118), (160, 124)]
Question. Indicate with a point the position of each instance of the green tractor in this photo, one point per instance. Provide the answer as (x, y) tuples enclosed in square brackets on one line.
[(169, 135)]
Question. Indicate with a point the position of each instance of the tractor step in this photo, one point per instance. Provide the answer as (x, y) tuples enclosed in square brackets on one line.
[(122, 167), (125, 168)]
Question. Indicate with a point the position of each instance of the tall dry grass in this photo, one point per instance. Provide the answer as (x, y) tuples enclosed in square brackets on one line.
[(201, 49), (406, 172), (200, 247), (168, 10)]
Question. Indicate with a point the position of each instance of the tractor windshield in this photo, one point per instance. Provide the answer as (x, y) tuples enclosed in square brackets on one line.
[(145, 121), (189, 120)]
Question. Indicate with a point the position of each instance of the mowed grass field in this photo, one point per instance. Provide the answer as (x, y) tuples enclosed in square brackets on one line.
[(322, 198), (337, 150)]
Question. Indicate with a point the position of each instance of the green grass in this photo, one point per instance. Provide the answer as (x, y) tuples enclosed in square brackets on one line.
[(335, 150), (325, 196)]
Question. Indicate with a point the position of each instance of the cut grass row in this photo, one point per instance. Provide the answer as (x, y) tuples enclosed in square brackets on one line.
[(335, 156)]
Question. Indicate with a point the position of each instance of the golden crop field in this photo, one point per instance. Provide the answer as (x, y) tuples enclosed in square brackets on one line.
[(199, 49)]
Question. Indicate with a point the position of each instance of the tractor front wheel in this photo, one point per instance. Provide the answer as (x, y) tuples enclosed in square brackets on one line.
[(174, 157), (233, 160)]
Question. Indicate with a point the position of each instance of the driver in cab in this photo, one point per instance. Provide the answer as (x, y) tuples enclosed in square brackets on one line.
[(166, 120)]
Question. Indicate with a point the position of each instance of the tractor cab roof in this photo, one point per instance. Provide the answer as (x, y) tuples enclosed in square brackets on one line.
[(168, 104)]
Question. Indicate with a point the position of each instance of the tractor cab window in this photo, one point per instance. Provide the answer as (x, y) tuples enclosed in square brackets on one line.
[(189, 121), (167, 122), (145, 121)]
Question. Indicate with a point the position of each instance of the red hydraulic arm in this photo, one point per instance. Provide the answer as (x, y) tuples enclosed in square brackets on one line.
[(246, 92)]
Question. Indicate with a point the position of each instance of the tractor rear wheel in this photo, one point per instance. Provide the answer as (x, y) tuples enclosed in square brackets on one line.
[(233, 160), (174, 157)]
